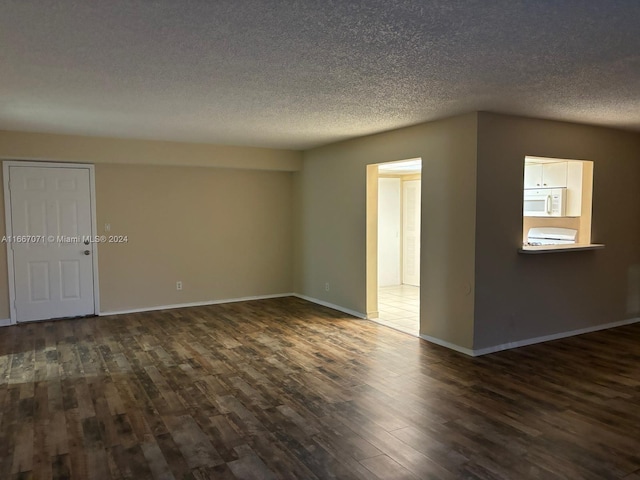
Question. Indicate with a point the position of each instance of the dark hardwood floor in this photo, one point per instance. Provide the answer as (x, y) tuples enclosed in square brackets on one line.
[(285, 389)]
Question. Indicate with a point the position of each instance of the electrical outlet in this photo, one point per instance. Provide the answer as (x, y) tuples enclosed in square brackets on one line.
[(326, 287), (107, 227), (178, 285)]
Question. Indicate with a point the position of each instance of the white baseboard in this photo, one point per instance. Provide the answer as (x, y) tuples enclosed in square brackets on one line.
[(437, 341), (5, 322), (452, 346), (487, 350), (555, 336), (195, 304), (331, 305), (231, 300)]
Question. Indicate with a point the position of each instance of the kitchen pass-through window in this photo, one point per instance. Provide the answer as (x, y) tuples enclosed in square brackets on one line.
[(557, 201)]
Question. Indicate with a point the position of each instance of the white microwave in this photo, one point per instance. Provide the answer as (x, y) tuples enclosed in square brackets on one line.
[(545, 202)]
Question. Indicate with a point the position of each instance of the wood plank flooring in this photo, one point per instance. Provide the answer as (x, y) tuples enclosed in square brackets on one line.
[(284, 389)]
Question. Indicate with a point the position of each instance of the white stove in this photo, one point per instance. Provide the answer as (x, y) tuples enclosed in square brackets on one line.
[(551, 236)]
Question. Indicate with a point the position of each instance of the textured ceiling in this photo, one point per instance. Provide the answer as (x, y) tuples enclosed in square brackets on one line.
[(296, 74)]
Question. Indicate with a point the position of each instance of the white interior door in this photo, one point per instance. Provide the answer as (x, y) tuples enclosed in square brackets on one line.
[(411, 233), (50, 214), (389, 224)]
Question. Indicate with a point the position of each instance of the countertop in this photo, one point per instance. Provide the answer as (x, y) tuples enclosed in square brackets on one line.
[(536, 249)]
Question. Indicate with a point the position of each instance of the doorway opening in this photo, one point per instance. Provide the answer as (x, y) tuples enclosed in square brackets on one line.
[(393, 244)]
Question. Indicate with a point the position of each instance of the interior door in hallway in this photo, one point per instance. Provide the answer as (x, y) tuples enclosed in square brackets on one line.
[(411, 232), (389, 225), (51, 227)]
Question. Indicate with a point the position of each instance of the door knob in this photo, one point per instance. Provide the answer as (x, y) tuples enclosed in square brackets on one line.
[(87, 252)]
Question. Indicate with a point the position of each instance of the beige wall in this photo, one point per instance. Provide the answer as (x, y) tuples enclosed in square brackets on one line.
[(74, 148), (224, 233), (330, 224), (520, 296)]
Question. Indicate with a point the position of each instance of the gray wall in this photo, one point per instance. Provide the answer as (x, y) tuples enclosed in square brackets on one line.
[(330, 223), (526, 296)]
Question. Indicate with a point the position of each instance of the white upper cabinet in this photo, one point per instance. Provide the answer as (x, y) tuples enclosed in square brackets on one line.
[(561, 174), (533, 175), (545, 175), (554, 175)]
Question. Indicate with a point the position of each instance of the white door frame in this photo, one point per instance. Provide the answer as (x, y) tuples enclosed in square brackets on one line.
[(8, 228)]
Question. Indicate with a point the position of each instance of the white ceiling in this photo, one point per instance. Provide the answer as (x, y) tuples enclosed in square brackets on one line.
[(301, 73)]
